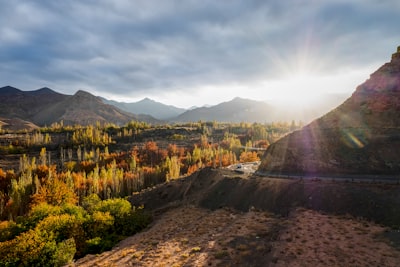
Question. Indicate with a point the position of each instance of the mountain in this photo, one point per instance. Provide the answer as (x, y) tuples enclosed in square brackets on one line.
[(359, 137), (148, 106), (45, 106), (84, 108), (25, 104), (246, 110), (236, 110)]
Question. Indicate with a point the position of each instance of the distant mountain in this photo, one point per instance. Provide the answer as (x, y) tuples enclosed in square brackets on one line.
[(360, 137), (236, 110), (246, 110), (45, 106), (85, 108), (148, 106)]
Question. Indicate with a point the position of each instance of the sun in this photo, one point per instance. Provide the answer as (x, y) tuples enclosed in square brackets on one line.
[(297, 89)]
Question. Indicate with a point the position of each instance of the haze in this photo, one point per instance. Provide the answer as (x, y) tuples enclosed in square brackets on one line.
[(191, 53)]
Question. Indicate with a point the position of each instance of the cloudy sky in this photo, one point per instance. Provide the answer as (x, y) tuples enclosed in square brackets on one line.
[(192, 52)]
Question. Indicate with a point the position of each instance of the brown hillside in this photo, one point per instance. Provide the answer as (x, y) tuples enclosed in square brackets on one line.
[(360, 137), (83, 108), (25, 104), (45, 106), (16, 124), (217, 218)]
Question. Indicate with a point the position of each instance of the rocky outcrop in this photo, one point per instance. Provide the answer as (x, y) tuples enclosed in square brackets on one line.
[(360, 137)]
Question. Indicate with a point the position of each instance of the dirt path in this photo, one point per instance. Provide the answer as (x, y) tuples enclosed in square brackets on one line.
[(190, 236)]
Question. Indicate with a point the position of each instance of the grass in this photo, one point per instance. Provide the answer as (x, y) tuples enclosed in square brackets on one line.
[(195, 249), (221, 254)]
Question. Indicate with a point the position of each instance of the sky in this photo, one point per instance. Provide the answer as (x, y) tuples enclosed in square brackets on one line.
[(191, 52)]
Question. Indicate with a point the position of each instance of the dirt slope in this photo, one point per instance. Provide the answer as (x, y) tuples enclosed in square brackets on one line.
[(217, 218), (190, 236), (213, 189)]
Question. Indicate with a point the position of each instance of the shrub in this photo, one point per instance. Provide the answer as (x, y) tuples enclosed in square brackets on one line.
[(90, 202), (36, 248), (117, 207), (9, 230)]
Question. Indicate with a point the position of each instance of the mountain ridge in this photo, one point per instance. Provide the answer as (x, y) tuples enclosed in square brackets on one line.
[(246, 110)]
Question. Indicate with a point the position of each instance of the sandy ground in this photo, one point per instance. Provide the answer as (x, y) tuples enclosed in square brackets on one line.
[(191, 236)]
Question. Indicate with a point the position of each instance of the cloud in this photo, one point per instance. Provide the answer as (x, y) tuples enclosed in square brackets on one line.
[(154, 47)]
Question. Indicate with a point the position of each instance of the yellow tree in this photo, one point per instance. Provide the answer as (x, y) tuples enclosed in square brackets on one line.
[(55, 193)]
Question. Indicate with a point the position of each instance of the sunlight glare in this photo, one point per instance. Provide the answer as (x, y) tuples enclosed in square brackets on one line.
[(298, 89)]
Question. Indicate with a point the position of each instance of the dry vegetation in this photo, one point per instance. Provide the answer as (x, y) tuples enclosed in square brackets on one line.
[(315, 239), (185, 233), (190, 236)]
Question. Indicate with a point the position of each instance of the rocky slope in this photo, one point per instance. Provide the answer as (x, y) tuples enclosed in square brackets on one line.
[(360, 137)]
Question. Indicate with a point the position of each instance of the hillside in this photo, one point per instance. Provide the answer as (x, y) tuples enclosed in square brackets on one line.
[(84, 108), (25, 104), (360, 137), (16, 124), (45, 106), (217, 218), (148, 106)]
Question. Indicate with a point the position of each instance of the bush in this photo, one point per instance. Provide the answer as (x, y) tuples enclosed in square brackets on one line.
[(53, 235), (62, 226), (90, 202), (36, 248), (117, 207), (9, 230)]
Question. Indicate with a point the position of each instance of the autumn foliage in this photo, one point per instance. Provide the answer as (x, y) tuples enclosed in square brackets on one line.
[(59, 207)]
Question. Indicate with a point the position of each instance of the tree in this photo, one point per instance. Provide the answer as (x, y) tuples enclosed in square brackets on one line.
[(249, 156), (55, 193)]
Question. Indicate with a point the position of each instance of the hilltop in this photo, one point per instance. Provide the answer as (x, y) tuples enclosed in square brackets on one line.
[(359, 137)]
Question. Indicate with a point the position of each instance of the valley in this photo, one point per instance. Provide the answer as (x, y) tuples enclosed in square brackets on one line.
[(104, 187), (199, 133)]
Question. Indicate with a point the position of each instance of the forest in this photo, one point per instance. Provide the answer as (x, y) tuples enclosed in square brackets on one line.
[(64, 190)]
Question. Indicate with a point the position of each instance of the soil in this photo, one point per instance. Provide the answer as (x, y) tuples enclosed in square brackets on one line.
[(219, 218)]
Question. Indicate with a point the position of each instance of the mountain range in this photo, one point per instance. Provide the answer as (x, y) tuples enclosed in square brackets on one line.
[(246, 110), (30, 109), (361, 136), (148, 106)]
